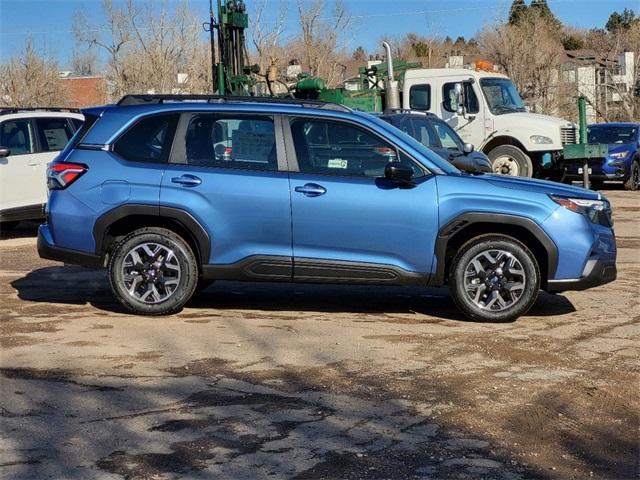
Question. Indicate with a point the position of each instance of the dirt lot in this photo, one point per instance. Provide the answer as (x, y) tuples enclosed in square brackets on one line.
[(283, 381)]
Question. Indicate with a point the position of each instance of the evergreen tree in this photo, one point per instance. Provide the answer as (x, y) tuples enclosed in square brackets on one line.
[(624, 20), (542, 8), (518, 9), (359, 54)]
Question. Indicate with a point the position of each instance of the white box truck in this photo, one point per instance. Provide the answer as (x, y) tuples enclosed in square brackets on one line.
[(486, 110)]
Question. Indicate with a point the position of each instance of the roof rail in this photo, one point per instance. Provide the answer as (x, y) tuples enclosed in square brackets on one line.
[(8, 110), (147, 99)]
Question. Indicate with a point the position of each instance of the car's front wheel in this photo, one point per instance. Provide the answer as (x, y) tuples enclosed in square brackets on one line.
[(153, 271), (633, 182), (494, 278)]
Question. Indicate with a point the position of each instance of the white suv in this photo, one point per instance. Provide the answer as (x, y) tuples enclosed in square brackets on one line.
[(29, 140)]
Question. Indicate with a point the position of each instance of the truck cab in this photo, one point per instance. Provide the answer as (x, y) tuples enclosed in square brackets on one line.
[(486, 110)]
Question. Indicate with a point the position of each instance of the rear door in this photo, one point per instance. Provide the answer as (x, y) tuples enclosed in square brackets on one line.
[(349, 223), (53, 134), (229, 172)]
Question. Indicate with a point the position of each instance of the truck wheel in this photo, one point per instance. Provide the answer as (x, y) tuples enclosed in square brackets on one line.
[(494, 278), (633, 182), (6, 226), (510, 160), (153, 271)]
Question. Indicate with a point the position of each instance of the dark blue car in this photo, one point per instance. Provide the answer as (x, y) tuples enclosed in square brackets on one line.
[(623, 161)]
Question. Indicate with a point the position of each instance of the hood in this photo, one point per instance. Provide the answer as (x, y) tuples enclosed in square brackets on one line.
[(621, 147), (540, 186), (524, 117)]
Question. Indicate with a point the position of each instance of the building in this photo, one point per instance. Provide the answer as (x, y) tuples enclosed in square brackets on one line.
[(603, 81), (84, 91)]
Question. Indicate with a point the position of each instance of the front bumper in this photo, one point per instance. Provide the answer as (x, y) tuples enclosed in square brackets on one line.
[(47, 249), (596, 272)]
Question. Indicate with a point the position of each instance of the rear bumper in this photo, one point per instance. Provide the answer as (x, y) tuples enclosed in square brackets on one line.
[(46, 249), (596, 272)]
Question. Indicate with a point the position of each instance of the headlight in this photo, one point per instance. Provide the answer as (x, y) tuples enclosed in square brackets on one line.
[(597, 211), (540, 139), (619, 155)]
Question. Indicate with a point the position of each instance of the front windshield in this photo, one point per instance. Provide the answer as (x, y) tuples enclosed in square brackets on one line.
[(502, 96), (612, 134), (445, 166)]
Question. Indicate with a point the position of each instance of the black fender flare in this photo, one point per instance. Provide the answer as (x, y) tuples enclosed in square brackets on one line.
[(182, 217), (460, 222)]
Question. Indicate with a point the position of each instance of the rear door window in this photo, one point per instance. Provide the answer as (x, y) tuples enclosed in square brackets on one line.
[(214, 140), (54, 133), (18, 136), (148, 140)]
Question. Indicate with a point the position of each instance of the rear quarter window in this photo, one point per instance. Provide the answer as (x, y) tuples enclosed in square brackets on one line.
[(148, 140)]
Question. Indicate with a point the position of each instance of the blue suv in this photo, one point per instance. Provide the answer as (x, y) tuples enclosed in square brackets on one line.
[(171, 192), (622, 163)]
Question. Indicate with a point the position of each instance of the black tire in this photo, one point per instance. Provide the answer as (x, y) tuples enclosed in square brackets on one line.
[(510, 160), (173, 255), (7, 226), (633, 182), (507, 275)]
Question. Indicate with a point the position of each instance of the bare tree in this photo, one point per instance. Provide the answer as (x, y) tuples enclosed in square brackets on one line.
[(529, 52), (31, 80), (148, 46), (321, 43), (84, 62), (267, 37)]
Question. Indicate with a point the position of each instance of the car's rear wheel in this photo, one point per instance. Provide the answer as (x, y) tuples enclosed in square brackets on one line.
[(153, 271), (633, 182), (510, 160), (494, 278)]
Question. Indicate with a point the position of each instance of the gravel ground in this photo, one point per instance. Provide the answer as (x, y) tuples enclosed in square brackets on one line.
[(293, 381)]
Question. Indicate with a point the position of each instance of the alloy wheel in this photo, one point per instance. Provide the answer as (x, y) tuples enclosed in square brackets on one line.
[(151, 272), (494, 280)]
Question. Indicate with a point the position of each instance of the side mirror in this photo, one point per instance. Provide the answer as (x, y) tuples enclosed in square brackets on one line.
[(5, 152), (459, 91), (468, 148), (396, 172)]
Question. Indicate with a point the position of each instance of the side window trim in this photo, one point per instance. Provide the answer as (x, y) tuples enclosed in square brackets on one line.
[(292, 157)]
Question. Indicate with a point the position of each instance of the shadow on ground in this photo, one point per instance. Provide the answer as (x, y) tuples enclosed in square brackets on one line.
[(80, 286)]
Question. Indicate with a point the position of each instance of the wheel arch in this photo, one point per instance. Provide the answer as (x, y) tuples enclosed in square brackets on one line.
[(470, 225), (120, 221), (503, 140)]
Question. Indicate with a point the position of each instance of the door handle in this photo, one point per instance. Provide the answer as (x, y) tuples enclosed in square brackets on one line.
[(311, 190), (187, 180)]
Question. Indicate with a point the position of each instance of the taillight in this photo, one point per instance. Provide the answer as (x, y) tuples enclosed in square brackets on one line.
[(61, 175)]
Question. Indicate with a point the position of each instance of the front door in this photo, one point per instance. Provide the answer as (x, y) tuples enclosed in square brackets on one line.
[(22, 184), (226, 171), (349, 223), (470, 125)]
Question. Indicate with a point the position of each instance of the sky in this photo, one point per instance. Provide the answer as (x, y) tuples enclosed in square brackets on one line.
[(49, 22)]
